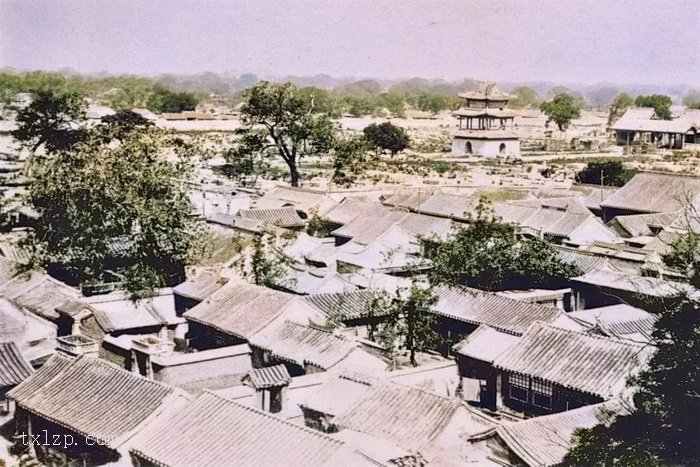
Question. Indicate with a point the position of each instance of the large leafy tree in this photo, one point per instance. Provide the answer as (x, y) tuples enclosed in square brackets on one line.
[(561, 110), (606, 172), (99, 201), (489, 255), (410, 323), (663, 427), (53, 119), (163, 99), (619, 106), (350, 160), (387, 136), (660, 103), (279, 121)]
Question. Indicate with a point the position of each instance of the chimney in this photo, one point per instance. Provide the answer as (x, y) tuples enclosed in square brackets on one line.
[(144, 349), (270, 384), (76, 345)]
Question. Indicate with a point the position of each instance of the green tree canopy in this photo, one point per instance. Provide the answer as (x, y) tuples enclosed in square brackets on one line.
[(664, 426), (525, 97), (613, 173), (52, 119), (660, 103), (100, 201), (619, 106), (387, 136), (489, 255), (164, 100), (350, 159), (411, 324), (561, 110), (278, 121)]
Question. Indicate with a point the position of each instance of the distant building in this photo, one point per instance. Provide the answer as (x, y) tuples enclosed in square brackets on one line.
[(639, 125), (486, 127)]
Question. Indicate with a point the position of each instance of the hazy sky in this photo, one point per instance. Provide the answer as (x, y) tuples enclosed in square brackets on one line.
[(621, 41)]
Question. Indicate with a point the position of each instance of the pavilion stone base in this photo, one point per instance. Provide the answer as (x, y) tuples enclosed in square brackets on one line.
[(486, 147)]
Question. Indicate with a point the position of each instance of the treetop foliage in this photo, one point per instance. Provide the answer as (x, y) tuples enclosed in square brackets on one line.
[(619, 106), (613, 172), (489, 255), (660, 103), (387, 136), (561, 110)]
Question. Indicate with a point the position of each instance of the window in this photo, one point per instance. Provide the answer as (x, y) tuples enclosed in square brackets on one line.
[(518, 387), (502, 148), (542, 393), (468, 148)]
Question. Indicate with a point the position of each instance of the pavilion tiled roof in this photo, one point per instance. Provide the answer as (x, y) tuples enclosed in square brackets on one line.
[(592, 364), (649, 192), (303, 344), (501, 313), (545, 441), (212, 431), (91, 397), (267, 377), (14, 368), (281, 217), (239, 309)]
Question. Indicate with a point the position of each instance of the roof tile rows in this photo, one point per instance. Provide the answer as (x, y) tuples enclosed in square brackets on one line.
[(282, 217), (215, 431), (501, 313), (14, 368), (655, 193), (303, 344), (239, 309), (91, 397), (583, 362)]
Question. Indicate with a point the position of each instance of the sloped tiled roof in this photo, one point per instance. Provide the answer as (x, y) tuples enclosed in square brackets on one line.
[(654, 193), (586, 262), (38, 293), (239, 308), (344, 305), (485, 344), (214, 431), (282, 217), (299, 198), (13, 367), (92, 397), (303, 344), (364, 230), (544, 441), (501, 313), (583, 362), (350, 209), (201, 286), (267, 377), (620, 320), (609, 278), (409, 416), (640, 224)]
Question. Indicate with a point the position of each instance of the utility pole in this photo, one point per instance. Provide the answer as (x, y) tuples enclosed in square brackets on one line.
[(602, 177)]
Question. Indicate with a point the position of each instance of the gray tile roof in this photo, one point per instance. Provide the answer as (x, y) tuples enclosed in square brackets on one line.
[(214, 431), (91, 397), (654, 193), (267, 377), (544, 441), (38, 293), (501, 313), (583, 362), (239, 309), (201, 286), (303, 344), (346, 305), (14, 368), (282, 217)]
